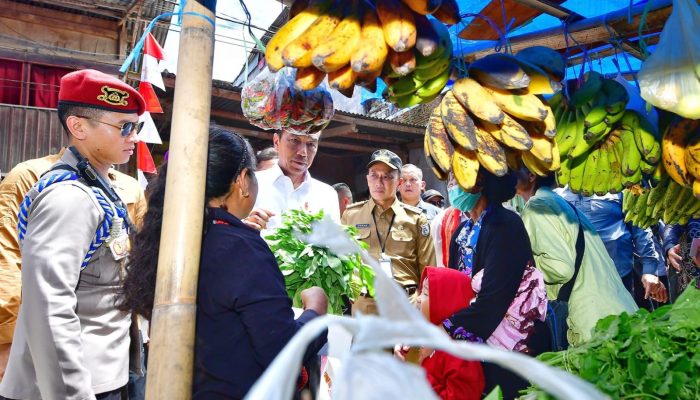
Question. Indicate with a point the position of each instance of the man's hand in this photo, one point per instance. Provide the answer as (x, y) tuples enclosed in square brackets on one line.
[(258, 218), (314, 298), (673, 257), (4, 356), (401, 351), (654, 289)]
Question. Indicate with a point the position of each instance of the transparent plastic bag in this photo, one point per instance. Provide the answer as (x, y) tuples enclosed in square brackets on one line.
[(637, 103), (670, 78), (270, 101)]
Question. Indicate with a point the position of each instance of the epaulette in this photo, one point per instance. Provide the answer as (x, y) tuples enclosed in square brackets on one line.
[(412, 208), (355, 205)]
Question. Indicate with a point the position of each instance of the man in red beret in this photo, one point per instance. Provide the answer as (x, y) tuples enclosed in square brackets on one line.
[(71, 341)]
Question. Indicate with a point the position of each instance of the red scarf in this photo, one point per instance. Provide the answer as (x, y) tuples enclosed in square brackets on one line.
[(450, 222)]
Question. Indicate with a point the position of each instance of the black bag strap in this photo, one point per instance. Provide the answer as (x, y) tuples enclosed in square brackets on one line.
[(565, 291)]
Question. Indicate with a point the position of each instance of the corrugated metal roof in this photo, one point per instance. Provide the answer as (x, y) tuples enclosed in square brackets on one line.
[(28, 132)]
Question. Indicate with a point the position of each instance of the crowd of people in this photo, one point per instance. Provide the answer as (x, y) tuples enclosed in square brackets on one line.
[(80, 244)]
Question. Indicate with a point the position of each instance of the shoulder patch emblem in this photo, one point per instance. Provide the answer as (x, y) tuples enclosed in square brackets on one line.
[(115, 97), (425, 229), (360, 226)]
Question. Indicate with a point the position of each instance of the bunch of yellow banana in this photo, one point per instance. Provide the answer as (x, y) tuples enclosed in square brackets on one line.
[(482, 123), (667, 201), (351, 41), (681, 153)]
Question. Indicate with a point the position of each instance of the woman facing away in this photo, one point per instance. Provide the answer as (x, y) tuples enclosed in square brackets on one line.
[(553, 227), (244, 315)]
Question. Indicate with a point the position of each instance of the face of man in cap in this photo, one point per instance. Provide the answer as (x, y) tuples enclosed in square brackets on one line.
[(296, 153), (383, 181), (100, 138)]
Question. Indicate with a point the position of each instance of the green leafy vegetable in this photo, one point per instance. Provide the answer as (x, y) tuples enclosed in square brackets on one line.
[(640, 356), (305, 265)]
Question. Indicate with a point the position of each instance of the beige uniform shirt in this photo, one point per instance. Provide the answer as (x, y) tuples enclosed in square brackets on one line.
[(70, 341), (408, 243)]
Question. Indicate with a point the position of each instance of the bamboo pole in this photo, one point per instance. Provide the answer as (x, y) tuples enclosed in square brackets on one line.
[(173, 323)]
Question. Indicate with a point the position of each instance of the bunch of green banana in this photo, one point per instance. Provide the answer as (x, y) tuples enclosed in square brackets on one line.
[(419, 75), (589, 115), (603, 141), (667, 201)]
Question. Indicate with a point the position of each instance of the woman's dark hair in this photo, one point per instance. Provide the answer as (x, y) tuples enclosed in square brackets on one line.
[(229, 154), (546, 181), (498, 189)]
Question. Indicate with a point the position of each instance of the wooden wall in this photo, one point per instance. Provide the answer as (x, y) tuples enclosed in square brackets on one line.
[(55, 37)]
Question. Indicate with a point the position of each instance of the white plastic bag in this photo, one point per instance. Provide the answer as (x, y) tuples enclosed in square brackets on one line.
[(368, 372), (670, 77), (637, 103)]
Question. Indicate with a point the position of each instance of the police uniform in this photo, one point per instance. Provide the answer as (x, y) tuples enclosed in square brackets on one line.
[(70, 340)]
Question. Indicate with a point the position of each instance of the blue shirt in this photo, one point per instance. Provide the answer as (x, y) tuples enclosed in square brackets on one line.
[(623, 240)]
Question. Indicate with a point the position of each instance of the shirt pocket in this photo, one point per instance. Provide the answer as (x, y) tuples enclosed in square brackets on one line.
[(402, 236), (102, 269), (362, 233)]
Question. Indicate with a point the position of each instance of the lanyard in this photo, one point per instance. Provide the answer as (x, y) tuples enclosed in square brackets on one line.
[(379, 236)]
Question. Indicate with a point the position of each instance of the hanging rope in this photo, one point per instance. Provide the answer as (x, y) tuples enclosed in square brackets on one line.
[(103, 230), (138, 47)]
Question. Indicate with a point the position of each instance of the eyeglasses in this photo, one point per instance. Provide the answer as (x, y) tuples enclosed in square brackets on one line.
[(374, 177), (125, 130)]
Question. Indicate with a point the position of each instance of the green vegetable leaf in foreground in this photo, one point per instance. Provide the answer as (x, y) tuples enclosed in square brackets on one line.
[(640, 356), (304, 265)]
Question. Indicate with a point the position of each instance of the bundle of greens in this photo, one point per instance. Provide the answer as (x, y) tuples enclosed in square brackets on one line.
[(305, 265), (640, 356)]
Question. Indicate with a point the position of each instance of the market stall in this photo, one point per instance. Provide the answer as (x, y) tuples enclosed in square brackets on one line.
[(541, 100)]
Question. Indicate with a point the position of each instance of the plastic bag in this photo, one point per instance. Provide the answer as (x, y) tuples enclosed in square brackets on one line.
[(636, 102), (670, 77), (368, 372), (270, 101)]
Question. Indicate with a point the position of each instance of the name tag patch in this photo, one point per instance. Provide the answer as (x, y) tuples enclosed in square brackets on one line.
[(360, 226)]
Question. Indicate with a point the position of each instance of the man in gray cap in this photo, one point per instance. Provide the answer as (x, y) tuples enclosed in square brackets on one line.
[(434, 197), (398, 235)]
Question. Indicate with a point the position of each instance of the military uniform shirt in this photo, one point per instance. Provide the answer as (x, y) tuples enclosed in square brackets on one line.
[(408, 243)]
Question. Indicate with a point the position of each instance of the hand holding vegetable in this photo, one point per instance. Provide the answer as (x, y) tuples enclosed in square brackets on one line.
[(258, 218), (314, 298)]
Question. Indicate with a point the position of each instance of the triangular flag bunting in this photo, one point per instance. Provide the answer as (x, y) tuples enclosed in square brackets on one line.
[(152, 48), (144, 160), (150, 72), (149, 95), (149, 132), (142, 179)]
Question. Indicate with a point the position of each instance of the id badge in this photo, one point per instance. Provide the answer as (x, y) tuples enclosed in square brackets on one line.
[(385, 265), (120, 247)]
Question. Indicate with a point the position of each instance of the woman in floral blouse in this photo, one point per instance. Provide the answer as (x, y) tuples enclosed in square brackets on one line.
[(493, 248)]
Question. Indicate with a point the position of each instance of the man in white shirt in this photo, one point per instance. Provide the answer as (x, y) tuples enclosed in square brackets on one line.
[(288, 185)]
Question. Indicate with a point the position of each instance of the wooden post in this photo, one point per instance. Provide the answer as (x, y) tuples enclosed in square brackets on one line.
[(173, 323)]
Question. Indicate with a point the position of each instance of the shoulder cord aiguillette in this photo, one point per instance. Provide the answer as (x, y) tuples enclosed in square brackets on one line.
[(103, 230)]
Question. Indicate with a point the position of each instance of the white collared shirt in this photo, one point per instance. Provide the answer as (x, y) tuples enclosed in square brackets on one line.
[(276, 193)]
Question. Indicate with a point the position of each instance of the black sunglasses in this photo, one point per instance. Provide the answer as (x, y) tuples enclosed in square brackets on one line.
[(125, 130)]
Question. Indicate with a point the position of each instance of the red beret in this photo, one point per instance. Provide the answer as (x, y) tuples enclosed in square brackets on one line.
[(90, 88)]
